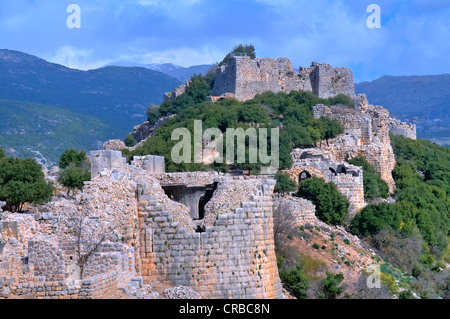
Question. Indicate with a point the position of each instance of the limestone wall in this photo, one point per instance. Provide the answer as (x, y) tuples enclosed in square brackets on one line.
[(367, 134), (401, 128), (89, 288), (348, 178), (234, 258), (304, 210), (328, 81), (114, 162), (244, 78), (48, 260)]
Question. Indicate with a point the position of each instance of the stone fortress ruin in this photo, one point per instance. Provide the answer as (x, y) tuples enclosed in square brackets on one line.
[(208, 231)]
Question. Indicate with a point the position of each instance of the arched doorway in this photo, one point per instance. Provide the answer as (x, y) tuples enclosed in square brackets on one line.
[(303, 176), (341, 169)]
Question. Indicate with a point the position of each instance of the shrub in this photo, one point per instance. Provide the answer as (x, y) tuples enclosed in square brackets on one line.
[(331, 206), (295, 282), (406, 294), (332, 286), (72, 156), (130, 141), (153, 114), (341, 99), (284, 183), (22, 181)]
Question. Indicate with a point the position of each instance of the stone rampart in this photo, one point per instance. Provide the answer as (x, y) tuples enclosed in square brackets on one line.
[(244, 78)]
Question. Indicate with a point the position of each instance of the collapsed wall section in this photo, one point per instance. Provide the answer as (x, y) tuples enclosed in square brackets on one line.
[(234, 258), (348, 178)]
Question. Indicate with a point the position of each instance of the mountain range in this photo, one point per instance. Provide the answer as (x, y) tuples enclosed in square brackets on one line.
[(46, 108), (423, 100), (178, 72), (108, 102)]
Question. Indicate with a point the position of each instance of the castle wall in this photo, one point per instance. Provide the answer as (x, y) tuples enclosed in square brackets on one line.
[(234, 259), (114, 162), (401, 128), (348, 178), (244, 78), (304, 210), (367, 134), (328, 81)]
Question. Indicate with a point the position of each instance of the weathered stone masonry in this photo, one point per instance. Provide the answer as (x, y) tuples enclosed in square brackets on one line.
[(243, 78), (235, 258), (232, 257)]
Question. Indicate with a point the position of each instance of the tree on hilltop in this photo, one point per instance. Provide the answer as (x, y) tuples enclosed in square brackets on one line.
[(248, 49)]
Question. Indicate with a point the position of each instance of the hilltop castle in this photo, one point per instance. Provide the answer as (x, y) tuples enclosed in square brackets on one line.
[(243, 78), (209, 231)]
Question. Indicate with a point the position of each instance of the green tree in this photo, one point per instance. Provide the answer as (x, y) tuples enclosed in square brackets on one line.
[(331, 206), (73, 177), (198, 89), (295, 281), (331, 128), (22, 181), (332, 286), (248, 49), (374, 185), (130, 141), (72, 156), (284, 183), (153, 114), (406, 294)]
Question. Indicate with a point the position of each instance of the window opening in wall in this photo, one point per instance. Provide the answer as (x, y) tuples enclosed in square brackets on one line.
[(341, 169), (303, 175), (204, 199)]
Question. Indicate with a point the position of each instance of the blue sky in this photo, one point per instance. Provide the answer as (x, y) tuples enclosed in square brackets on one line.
[(414, 38)]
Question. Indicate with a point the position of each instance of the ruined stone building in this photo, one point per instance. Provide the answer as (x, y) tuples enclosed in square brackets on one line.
[(243, 78), (209, 231)]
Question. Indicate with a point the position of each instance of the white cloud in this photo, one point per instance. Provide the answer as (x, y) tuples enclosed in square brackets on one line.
[(75, 58), (180, 56)]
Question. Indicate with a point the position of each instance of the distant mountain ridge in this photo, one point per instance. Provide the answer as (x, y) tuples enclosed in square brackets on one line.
[(178, 72), (116, 97), (424, 100)]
